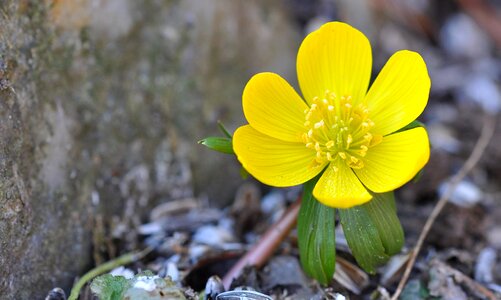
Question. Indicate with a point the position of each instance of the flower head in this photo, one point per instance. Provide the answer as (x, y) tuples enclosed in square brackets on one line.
[(338, 127)]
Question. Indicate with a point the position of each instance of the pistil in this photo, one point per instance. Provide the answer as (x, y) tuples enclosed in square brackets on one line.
[(339, 130)]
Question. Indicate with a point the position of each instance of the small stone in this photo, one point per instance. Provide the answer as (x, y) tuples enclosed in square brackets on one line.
[(461, 37), (441, 137), (485, 263), (212, 235), (213, 287), (482, 90), (466, 194), (272, 202), (122, 271), (494, 237), (150, 228), (56, 294)]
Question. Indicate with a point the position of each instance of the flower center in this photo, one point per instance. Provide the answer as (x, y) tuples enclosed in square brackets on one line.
[(339, 131)]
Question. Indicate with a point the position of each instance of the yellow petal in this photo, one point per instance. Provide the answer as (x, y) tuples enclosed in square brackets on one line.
[(339, 187), (336, 57), (395, 161), (272, 161), (273, 107), (399, 93)]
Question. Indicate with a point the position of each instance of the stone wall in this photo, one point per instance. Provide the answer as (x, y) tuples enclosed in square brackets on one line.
[(101, 105)]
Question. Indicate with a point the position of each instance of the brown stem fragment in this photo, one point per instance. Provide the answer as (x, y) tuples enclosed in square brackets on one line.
[(261, 251)]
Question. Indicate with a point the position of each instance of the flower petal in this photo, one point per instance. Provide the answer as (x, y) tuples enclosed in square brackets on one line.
[(272, 161), (273, 107), (339, 187), (336, 57), (400, 92), (395, 161)]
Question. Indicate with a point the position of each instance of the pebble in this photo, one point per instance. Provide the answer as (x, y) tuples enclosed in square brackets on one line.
[(482, 90), (466, 194), (212, 235), (56, 294), (122, 271), (272, 202), (441, 137), (213, 287), (494, 237), (485, 263), (461, 37)]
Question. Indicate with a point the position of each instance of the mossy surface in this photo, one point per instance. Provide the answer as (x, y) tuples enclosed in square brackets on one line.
[(100, 111)]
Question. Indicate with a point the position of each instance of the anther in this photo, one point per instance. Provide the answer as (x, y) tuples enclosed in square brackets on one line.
[(342, 155), (329, 144), (349, 140), (329, 156), (319, 124)]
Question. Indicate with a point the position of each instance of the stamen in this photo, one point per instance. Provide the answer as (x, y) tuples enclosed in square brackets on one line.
[(349, 140), (319, 124), (336, 127)]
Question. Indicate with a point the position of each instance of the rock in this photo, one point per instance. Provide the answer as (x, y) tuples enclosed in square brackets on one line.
[(466, 194), (462, 38), (101, 105), (482, 90), (212, 235), (485, 264)]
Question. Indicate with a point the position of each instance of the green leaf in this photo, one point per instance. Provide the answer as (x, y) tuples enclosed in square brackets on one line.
[(411, 125), (244, 173), (223, 129), (109, 287), (316, 236), (220, 144), (382, 211), (363, 238), (418, 176)]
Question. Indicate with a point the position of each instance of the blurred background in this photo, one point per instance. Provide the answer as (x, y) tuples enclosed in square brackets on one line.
[(102, 103)]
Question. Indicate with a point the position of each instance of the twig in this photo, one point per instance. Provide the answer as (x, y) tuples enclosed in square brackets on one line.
[(261, 251), (459, 277), (482, 142), (106, 267)]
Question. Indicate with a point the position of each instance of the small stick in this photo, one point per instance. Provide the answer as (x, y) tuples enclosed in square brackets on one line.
[(459, 277), (261, 251), (487, 132), (106, 267)]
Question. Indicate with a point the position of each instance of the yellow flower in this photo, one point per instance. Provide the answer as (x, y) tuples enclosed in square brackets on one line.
[(339, 127)]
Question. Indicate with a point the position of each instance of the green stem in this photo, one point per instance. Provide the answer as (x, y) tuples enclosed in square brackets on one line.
[(106, 267)]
